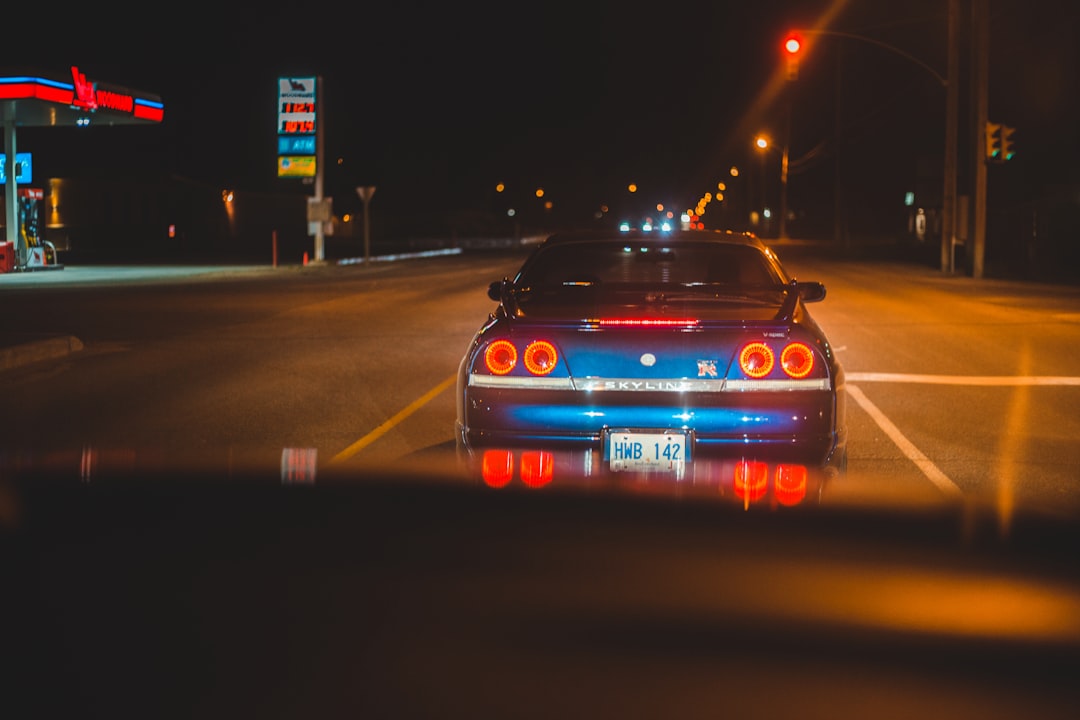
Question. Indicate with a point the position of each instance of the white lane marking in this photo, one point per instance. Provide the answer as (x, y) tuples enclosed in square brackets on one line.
[(985, 380), (928, 468)]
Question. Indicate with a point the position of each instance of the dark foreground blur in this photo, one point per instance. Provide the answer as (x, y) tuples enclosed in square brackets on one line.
[(405, 596)]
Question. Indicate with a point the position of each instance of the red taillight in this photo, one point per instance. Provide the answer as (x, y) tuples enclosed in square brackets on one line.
[(797, 360), (757, 360), (790, 484), (497, 468), (751, 480), (500, 357), (540, 357), (537, 468)]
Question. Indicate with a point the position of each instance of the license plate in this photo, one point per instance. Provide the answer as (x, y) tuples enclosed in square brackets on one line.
[(646, 451)]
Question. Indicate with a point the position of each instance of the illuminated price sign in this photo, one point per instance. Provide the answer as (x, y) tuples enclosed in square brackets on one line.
[(296, 127), (296, 106)]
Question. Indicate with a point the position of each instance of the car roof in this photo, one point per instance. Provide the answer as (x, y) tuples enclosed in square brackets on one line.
[(615, 235)]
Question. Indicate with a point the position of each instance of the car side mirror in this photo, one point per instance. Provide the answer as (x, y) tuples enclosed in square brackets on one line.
[(811, 291), (495, 289)]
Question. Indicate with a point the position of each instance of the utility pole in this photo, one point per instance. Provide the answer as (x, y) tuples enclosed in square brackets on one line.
[(980, 69), (952, 103)]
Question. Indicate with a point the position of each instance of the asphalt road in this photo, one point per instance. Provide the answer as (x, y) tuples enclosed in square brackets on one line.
[(398, 600), (958, 387)]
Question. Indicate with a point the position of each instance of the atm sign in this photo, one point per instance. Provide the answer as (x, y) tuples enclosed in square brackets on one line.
[(24, 169)]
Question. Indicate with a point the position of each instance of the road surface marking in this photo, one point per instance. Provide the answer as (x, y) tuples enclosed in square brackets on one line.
[(984, 380), (394, 421), (929, 469)]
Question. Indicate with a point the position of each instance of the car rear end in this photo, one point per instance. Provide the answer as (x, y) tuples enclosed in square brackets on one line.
[(655, 356), (653, 394)]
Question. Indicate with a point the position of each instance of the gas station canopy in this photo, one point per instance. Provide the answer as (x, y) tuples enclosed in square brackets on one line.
[(47, 102), (31, 100)]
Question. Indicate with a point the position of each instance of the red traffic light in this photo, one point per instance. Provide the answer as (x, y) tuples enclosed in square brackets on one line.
[(792, 53)]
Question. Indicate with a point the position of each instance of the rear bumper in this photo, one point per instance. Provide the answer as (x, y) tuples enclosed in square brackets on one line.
[(792, 424)]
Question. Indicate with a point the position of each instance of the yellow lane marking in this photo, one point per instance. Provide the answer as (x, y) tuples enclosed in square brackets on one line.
[(394, 421)]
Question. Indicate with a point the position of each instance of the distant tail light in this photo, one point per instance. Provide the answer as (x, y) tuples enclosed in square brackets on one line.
[(500, 357), (537, 468), (757, 360), (540, 357), (497, 468), (797, 360)]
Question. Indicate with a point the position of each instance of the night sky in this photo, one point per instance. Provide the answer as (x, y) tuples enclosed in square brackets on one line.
[(436, 102)]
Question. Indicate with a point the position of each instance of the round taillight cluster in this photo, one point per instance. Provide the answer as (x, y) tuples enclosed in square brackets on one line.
[(539, 357), (757, 360), (797, 360), (500, 357)]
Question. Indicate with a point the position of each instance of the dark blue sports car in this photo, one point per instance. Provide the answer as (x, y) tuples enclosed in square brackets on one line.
[(675, 356)]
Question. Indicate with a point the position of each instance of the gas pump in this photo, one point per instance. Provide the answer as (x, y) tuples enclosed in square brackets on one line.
[(33, 252)]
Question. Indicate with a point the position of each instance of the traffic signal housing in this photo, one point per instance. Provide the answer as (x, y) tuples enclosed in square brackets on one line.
[(993, 142), (1008, 149), (999, 143)]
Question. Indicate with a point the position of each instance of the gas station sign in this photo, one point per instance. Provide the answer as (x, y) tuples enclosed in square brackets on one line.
[(300, 166), (296, 126)]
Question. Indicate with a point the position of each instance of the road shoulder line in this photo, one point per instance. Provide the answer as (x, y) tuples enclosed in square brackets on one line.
[(928, 468)]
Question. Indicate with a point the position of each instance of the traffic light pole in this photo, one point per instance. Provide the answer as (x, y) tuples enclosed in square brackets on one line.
[(980, 68), (951, 85)]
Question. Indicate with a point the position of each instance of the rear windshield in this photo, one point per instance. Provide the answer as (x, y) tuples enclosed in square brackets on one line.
[(649, 263)]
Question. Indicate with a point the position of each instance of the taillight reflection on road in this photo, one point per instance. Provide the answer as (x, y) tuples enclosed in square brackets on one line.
[(497, 468), (537, 468)]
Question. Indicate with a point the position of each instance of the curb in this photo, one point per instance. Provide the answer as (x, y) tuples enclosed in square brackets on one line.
[(31, 352)]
